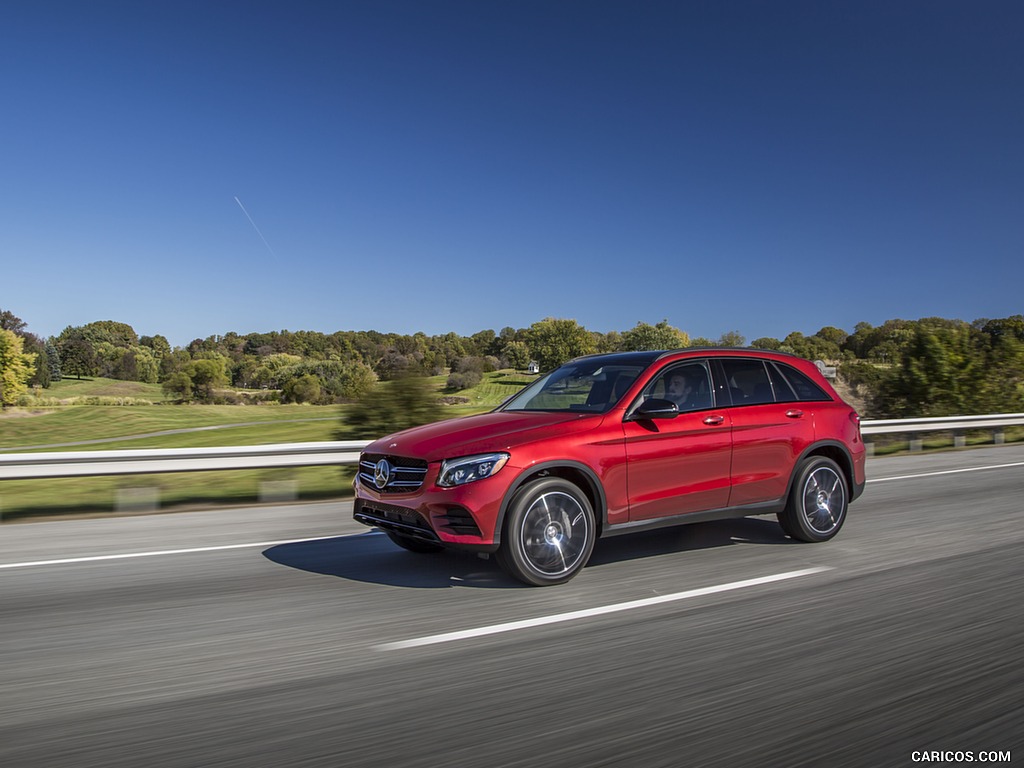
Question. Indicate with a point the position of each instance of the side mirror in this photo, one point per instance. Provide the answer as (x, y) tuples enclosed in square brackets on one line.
[(655, 409)]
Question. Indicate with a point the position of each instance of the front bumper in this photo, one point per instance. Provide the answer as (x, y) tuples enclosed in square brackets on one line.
[(464, 517)]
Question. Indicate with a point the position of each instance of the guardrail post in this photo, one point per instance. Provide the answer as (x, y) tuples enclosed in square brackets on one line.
[(959, 440), (869, 449), (916, 444), (998, 436)]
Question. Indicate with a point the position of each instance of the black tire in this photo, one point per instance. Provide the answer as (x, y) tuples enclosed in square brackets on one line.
[(549, 533), (414, 545), (818, 501)]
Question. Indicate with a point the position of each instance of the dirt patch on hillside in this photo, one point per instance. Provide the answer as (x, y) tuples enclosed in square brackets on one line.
[(848, 394)]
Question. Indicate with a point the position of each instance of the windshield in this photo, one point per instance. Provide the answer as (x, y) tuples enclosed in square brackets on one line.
[(589, 386)]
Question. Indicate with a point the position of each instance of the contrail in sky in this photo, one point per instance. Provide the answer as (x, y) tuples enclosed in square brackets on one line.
[(255, 227)]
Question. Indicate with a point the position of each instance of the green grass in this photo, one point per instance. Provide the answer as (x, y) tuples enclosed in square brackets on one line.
[(97, 387), (91, 496), (51, 428), (117, 426), (138, 426), (23, 427), (495, 388)]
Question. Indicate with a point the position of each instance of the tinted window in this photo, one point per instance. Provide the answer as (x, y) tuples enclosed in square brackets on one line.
[(587, 385), (747, 381), (687, 385), (804, 387), (783, 392)]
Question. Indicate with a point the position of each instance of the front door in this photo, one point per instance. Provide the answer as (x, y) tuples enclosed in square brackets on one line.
[(681, 465)]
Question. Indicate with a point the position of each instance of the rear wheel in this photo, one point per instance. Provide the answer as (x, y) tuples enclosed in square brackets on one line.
[(818, 501), (549, 533), (413, 544)]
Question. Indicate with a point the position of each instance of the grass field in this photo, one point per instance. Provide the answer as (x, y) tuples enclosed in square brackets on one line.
[(75, 427), (493, 390), (71, 388), (164, 426)]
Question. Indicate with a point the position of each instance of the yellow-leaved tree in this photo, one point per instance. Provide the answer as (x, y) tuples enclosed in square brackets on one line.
[(16, 367)]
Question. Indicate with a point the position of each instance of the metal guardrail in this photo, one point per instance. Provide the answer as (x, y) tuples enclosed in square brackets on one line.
[(24, 466), (958, 425), (941, 424)]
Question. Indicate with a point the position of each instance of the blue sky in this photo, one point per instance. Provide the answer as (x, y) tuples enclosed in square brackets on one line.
[(194, 168)]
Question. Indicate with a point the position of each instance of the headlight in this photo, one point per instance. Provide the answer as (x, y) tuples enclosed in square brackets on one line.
[(469, 468)]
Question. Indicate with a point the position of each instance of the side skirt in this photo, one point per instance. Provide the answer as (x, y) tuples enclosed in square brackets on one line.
[(727, 513)]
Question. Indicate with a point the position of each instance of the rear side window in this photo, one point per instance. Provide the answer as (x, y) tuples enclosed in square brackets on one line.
[(755, 382), (806, 390), (783, 392), (748, 382)]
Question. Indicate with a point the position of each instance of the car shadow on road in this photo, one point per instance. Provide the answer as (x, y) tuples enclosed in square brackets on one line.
[(688, 538), (371, 557)]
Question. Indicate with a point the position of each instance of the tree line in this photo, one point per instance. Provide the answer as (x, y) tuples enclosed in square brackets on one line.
[(901, 369)]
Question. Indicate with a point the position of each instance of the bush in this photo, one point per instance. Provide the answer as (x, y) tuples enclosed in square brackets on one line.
[(178, 385), (403, 403), (467, 380), (304, 389), (224, 397), (336, 381)]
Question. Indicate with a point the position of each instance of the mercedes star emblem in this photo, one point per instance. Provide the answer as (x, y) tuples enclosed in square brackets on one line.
[(381, 473)]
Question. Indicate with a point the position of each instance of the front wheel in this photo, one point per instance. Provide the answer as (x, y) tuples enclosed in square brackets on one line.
[(549, 533), (817, 502)]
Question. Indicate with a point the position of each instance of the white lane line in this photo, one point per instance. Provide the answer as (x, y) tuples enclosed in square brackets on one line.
[(191, 550), (945, 472), (512, 626), (129, 555)]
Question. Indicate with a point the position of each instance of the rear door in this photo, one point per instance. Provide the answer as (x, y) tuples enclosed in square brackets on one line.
[(770, 429), (681, 465)]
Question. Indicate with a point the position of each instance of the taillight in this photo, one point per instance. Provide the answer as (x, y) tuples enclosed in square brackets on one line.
[(855, 418)]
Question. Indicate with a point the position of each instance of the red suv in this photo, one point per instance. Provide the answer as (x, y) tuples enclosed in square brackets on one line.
[(610, 444)]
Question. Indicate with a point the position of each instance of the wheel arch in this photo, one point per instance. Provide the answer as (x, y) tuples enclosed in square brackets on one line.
[(574, 472), (830, 449)]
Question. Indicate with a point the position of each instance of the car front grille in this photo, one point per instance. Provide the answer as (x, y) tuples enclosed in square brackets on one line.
[(403, 475)]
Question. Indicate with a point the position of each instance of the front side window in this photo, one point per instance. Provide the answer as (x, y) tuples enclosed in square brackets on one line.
[(687, 385), (587, 386)]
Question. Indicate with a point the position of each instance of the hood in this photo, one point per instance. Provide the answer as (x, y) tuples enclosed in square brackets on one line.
[(483, 433)]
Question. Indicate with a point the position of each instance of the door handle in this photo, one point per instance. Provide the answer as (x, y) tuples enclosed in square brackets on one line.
[(794, 413), (712, 421)]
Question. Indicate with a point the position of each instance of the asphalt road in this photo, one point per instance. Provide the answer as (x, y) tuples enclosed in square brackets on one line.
[(290, 636)]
